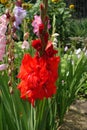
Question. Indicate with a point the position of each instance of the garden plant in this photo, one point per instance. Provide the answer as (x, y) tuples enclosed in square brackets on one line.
[(40, 75)]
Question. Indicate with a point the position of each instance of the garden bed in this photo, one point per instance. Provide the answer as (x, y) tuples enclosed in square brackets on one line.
[(76, 118)]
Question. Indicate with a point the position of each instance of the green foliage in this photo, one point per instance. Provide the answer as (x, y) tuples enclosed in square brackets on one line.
[(2, 9), (48, 114), (16, 114), (78, 27), (62, 17), (72, 77), (30, 16)]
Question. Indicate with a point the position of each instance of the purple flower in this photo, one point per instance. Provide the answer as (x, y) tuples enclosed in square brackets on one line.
[(36, 22), (19, 14)]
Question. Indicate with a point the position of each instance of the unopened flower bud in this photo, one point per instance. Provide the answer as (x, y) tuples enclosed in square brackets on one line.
[(13, 29), (8, 14), (7, 53), (15, 37), (9, 83), (46, 36), (11, 90), (13, 18), (41, 28), (26, 35), (9, 31), (9, 72), (46, 18), (12, 58), (19, 3), (41, 6), (7, 41), (9, 61), (12, 68)]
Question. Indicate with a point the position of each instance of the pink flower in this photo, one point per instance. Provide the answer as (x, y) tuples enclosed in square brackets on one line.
[(3, 67), (25, 45), (2, 46), (2, 39), (36, 22), (3, 24), (3, 28), (3, 19)]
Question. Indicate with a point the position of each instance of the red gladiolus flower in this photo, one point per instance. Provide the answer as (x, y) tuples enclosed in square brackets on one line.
[(50, 50), (37, 44), (38, 76)]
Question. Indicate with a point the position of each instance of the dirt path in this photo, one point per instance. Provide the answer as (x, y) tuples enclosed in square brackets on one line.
[(76, 118)]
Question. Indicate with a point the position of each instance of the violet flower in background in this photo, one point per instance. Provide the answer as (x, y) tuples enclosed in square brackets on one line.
[(36, 22), (19, 14)]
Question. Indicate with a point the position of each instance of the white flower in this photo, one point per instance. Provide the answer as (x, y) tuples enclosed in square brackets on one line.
[(67, 73), (78, 51), (25, 45), (55, 39), (86, 52), (55, 35), (66, 48)]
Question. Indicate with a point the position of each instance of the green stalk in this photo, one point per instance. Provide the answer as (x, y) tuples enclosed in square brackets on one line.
[(1, 126)]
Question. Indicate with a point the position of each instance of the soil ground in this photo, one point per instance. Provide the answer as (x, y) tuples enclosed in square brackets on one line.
[(76, 117)]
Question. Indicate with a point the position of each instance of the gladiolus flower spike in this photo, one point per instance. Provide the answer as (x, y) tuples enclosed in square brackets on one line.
[(38, 74)]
